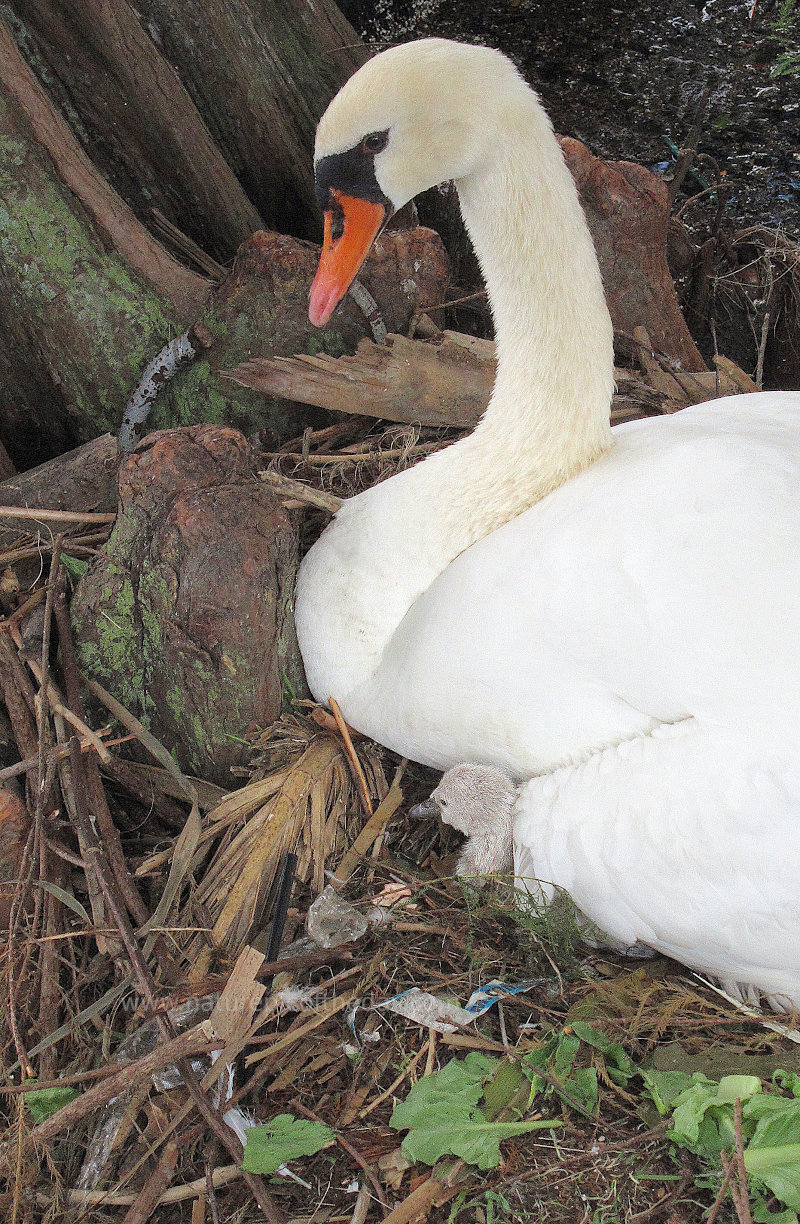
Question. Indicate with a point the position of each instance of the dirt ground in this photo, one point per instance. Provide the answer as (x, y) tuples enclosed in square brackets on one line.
[(627, 78)]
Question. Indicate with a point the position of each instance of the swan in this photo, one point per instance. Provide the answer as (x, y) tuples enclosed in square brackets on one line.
[(478, 800), (612, 617)]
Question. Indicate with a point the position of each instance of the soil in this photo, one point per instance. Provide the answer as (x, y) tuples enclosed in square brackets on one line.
[(629, 78)]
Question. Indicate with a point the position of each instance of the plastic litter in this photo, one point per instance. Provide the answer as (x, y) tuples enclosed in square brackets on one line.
[(333, 921), (446, 1017)]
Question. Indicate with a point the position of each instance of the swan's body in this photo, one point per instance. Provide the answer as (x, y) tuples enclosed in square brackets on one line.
[(614, 615)]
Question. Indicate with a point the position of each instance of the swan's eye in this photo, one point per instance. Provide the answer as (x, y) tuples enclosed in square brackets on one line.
[(442, 803), (376, 142)]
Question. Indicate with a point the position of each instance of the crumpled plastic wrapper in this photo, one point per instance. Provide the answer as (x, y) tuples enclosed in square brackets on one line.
[(333, 921)]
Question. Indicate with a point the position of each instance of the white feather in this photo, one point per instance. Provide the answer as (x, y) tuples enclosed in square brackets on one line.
[(612, 615)]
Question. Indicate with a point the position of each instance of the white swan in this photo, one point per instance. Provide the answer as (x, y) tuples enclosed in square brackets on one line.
[(612, 615)]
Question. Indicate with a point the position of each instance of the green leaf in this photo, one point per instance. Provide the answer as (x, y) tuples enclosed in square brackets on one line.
[(737, 1087), (576, 1087), (582, 1087), (44, 1102), (566, 1049), (442, 1117), (664, 1087), (473, 1139), (690, 1110), (788, 1081), (501, 1089), (612, 1051), (773, 1154), (66, 898), (538, 1059), (760, 1106), (284, 1138), (762, 1214), (451, 1092)]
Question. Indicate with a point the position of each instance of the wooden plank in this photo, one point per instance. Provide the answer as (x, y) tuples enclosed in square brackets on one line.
[(447, 382)]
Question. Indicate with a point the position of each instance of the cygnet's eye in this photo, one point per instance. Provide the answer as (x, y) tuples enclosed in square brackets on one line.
[(376, 142), (442, 803)]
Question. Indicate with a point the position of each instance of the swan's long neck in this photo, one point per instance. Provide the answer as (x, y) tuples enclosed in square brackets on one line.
[(549, 414), (547, 420)]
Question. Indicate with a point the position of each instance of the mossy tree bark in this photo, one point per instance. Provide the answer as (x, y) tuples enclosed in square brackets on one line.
[(261, 310), (186, 615), (135, 116), (91, 297), (88, 296)]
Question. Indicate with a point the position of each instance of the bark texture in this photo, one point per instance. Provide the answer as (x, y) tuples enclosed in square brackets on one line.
[(141, 127), (186, 618), (88, 295), (261, 310), (261, 73), (14, 827), (84, 479), (114, 222), (627, 208)]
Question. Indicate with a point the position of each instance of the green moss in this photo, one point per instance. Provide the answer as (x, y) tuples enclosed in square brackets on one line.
[(190, 398), (154, 598), (115, 655), (98, 324)]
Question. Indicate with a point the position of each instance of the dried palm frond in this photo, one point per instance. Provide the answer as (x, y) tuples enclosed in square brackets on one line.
[(308, 804)]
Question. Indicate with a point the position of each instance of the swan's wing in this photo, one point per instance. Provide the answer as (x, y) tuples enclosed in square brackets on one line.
[(662, 582), (686, 840)]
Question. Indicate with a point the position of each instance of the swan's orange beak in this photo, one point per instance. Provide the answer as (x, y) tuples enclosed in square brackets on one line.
[(342, 256)]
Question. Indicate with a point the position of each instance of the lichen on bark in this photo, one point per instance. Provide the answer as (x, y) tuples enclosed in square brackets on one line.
[(186, 615)]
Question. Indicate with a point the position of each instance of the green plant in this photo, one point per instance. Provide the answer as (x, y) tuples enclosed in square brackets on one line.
[(544, 931), (786, 33), (442, 1115), (703, 1119), (43, 1102), (701, 1111), (285, 1138)]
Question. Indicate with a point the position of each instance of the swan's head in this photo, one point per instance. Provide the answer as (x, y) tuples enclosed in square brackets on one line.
[(472, 798), (412, 117)]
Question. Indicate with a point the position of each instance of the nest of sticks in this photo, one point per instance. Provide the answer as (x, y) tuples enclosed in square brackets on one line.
[(140, 907)]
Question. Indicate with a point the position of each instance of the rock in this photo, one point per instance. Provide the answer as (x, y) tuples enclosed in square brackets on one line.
[(627, 208), (186, 616)]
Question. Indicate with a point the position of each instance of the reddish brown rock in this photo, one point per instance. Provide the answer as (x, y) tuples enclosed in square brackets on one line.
[(186, 617), (627, 208)]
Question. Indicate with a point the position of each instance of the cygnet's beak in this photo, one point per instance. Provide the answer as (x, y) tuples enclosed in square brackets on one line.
[(355, 224), (429, 807)]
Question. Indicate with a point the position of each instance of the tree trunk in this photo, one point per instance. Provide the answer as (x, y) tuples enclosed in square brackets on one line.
[(83, 481), (88, 295), (186, 615), (143, 129), (261, 310), (261, 73)]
